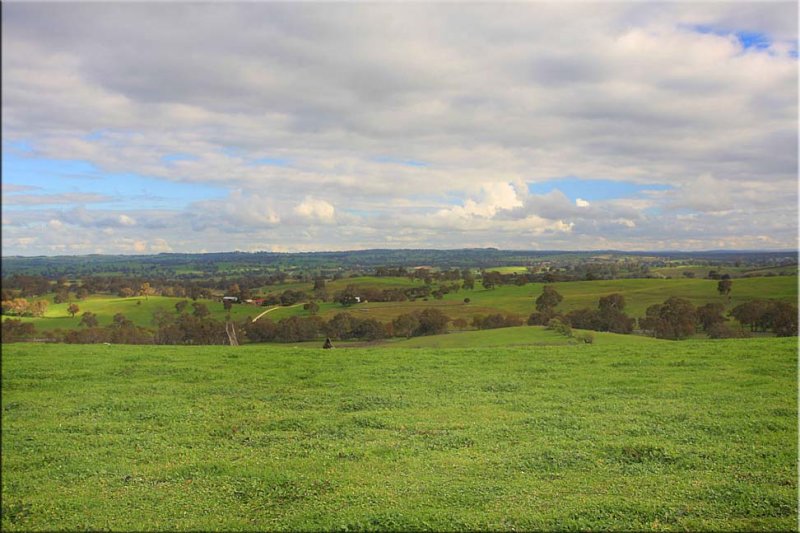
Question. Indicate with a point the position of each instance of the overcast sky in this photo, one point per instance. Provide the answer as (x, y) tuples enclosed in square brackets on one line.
[(144, 127)]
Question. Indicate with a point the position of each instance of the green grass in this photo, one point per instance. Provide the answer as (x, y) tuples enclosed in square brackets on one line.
[(138, 309), (509, 269), (658, 436), (639, 294)]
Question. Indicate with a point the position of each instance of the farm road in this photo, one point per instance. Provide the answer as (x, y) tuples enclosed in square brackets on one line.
[(274, 308)]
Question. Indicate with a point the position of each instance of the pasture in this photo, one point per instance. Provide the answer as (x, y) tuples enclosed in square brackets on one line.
[(639, 294), (698, 435)]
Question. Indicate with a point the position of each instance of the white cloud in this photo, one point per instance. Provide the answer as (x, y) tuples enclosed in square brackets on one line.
[(419, 132), (493, 197), (316, 209)]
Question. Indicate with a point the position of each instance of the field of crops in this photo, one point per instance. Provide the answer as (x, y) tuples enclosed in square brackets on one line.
[(661, 435)]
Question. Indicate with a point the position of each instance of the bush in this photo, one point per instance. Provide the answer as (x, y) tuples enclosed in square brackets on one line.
[(724, 331), (586, 337), (559, 327)]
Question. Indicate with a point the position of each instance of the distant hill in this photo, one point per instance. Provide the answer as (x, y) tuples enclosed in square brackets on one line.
[(189, 264)]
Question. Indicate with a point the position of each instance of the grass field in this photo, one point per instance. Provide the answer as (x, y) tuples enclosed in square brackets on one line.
[(138, 309), (639, 294), (657, 436)]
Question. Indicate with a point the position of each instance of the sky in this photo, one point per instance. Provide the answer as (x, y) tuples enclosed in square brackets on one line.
[(138, 128)]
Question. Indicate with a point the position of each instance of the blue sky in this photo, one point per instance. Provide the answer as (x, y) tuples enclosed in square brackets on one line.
[(126, 190), (143, 128), (594, 189)]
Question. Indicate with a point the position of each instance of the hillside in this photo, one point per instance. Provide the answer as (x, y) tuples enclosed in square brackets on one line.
[(665, 435)]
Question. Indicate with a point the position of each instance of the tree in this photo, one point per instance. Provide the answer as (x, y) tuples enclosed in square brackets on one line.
[(548, 300), (14, 330), (674, 319), (585, 319), (369, 329), (347, 297), (61, 297), (751, 314), (120, 321), (431, 322), (145, 290), (200, 310), (180, 307), (17, 306), (312, 308), (340, 326), (73, 310), (724, 287), (262, 330), (709, 315), (88, 319), (784, 319), (611, 314), (405, 325), (39, 307)]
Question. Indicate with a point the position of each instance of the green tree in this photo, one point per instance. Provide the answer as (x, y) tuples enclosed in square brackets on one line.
[(73, 309), (405, 325), (709, 315), (548, 300), (674, 319), (88, 319), (431, 322), (200, 310), (724, 287)]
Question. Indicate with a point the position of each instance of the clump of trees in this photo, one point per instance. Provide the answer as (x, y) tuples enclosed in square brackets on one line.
[(545, 306), (777, 316), (674, 319), (15, 330), (496, 320), (23, 307), (677, 318), (609, 316)]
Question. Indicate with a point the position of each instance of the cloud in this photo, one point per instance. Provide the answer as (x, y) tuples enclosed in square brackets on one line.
[(493, 197), (54, 199), (348, 99), (315, 209), (13, 187)]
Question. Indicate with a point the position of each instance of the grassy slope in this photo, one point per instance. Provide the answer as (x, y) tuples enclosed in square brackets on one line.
[(690, 435), (140, 313), (639, 294)]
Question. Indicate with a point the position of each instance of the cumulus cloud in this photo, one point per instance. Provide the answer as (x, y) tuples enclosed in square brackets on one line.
[(409, 124), (315, 209)]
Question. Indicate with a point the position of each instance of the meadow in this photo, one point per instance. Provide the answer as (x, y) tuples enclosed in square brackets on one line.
[(639, 294), (697, 435)]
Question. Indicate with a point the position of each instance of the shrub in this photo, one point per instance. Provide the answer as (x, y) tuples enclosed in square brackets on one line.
[(559, 327), (721, 330)]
